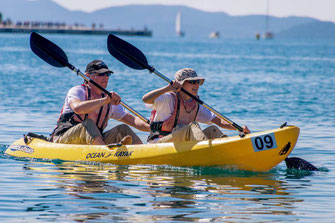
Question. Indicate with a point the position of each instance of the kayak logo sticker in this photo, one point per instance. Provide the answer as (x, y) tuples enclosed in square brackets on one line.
[(22, 148), (123, 153), (264, 142), (103, 154), (95, 155)]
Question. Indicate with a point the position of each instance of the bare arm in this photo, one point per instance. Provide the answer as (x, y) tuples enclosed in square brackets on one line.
[(86, 107), (136, 122), (149, 98), (223, 124)]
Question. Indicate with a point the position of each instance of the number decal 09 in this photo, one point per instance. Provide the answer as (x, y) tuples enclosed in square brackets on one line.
[(264, 142)]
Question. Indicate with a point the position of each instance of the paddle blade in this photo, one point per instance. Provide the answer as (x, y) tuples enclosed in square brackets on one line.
[(300, 164), (48, 51), (126, 53)]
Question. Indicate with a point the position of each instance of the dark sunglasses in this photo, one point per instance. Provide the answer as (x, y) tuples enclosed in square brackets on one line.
[(103, 74), (194, 81)]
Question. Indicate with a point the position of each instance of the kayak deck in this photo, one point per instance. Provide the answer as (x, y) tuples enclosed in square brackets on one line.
[(259, 151)]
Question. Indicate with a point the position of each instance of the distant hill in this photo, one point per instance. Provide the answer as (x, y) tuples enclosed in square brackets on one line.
[(161, 19), (312, 30)]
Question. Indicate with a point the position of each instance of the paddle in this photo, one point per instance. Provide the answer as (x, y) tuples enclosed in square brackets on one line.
[(134, 58), (55, 56), (300, 164)]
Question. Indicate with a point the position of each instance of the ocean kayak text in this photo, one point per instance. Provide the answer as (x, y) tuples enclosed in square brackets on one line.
[(103, 154)]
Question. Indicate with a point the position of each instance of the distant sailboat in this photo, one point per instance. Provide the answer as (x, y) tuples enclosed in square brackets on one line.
[(179, 32), (214, 35), (267, 34)]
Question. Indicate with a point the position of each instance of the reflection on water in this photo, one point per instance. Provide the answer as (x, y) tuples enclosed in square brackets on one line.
[(84, 191)]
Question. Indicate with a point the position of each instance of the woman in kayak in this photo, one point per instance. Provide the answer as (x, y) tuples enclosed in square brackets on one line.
[(87, 109), (175, 115)]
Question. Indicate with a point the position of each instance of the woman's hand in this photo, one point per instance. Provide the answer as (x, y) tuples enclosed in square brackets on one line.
[(175, 86)]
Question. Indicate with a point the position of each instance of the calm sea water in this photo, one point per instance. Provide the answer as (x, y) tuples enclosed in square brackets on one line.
[(260, 84)]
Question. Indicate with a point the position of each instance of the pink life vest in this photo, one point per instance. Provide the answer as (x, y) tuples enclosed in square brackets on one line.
[(68, 120), (97, 114), (183, 113)]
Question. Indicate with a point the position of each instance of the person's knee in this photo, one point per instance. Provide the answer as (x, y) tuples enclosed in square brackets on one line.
[(194, 124), (213, 132), (124, 128), (214, 128)]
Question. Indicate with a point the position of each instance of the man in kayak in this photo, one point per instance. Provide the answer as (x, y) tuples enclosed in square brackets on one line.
[(175, 115), (86, 112)]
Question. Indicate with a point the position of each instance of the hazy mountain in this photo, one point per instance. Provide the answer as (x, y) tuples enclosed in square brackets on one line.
[(161, 19), (313, 30)]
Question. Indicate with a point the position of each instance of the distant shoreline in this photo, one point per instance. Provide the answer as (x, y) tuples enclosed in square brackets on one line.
[(70, 30)]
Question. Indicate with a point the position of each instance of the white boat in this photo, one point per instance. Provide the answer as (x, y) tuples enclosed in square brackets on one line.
[(179, 32), (267, 34), (214, 35)]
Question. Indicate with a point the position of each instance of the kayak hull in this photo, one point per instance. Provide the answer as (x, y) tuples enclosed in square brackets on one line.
[(259, 151)]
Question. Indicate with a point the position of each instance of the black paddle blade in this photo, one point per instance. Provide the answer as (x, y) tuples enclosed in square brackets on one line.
[(300, 164), (126, 53), (48, 51)]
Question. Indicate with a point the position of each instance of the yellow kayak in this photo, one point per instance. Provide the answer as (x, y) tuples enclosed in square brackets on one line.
[(259, 151)]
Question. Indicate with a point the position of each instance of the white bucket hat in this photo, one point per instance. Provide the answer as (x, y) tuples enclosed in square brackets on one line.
[(186, 74)]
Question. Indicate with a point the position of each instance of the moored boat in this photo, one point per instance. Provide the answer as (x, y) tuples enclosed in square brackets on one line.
[(259, 151)]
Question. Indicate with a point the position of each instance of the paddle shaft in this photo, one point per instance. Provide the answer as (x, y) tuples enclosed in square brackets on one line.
[(86, 78)]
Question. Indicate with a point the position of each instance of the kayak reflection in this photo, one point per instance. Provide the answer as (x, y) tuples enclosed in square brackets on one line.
[(151, 193)]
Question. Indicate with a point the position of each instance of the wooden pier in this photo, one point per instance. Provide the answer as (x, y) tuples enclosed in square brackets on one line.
[(75, 30)]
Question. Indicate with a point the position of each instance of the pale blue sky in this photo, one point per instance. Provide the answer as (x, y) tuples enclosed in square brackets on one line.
[(320, 9)]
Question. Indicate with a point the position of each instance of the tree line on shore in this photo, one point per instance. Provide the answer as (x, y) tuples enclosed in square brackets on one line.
[(39, 24)]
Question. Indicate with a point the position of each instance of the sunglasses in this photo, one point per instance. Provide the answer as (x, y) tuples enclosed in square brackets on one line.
[(193, 81), (103, 74)]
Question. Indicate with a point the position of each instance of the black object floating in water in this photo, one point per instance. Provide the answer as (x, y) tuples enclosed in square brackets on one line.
[(300, 164)]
